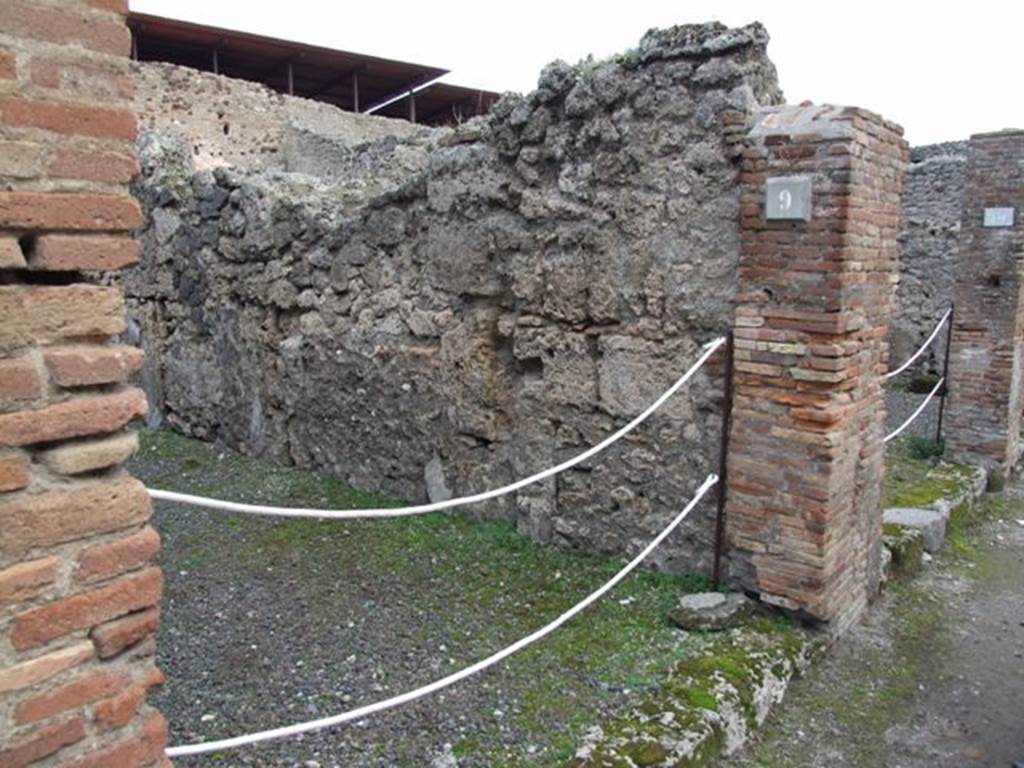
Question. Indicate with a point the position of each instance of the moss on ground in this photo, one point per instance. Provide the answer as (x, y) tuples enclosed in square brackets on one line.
[(455, 566), (907, 547), (682, 723), (918, 482)]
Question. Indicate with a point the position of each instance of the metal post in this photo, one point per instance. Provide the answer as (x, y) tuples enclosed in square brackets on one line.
[(723, 456), (135, 45), (216, 62), (355, 91), (291, 80), (945, 372), (412, 106)]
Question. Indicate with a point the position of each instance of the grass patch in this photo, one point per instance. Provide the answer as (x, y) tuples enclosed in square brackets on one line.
[(483, 574), (916, 477)]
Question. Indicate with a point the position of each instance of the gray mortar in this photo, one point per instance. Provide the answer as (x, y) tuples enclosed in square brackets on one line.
[(483, 301)]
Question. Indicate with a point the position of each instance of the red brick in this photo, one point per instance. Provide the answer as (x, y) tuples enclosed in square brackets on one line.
[(69, 119), (67, 26), (92, 687), (110, 639), (84, 366), (132, 752), (27, 580), (87, 610), (119, 710), (84, 509), (42, 314), (104, 81), (92, 165), (8, 65), (20, 379), (80, 211), (78, 417), (90, 455), (104, 561), (13, 472), (43, 668), (42, 743)]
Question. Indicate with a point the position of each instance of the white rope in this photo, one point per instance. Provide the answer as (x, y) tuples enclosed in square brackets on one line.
[(419, 509), (922, 348), (462, 674), (915, 414)]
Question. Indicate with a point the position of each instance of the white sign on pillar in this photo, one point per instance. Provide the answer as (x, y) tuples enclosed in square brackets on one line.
[(998, 217), (788, 198)]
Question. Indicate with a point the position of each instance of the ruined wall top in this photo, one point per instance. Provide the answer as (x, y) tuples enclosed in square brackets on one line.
[(240, 123)]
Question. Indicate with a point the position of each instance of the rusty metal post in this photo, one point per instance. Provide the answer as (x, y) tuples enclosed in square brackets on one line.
[(723, 457), (945, 372)]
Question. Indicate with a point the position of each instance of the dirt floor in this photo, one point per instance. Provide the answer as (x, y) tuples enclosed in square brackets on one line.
[(268, 622), (934, 677)]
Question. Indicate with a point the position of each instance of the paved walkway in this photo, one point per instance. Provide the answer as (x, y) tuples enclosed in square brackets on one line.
[(934, 678)]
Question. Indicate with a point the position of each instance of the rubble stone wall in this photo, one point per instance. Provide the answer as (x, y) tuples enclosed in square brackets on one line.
[(228, 121), (458, 309), (932, 202)]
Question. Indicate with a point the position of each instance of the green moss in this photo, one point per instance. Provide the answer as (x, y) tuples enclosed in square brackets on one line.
[(907, 547), (645, 753), (732, 665), (486, 573), (697, 697), (916, 482)]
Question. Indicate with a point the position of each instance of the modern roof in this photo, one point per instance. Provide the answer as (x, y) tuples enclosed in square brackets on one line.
[(352, 81)]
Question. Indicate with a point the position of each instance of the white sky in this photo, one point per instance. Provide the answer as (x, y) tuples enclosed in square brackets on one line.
[(942, 69)]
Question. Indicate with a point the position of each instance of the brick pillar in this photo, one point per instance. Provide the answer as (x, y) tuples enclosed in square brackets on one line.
[(983, 416), (804, 514), (78, 595)]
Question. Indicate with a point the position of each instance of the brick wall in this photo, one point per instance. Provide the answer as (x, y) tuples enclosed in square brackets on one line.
[(812, 312), (983, 419), (78, 594)]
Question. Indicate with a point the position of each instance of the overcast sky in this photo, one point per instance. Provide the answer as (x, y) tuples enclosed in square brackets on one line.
[(942, 69)]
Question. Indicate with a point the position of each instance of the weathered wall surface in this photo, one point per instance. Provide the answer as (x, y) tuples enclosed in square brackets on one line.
[(932, 201), (79, 594), (804, 509), (535, 279), (234, 122), (987, 349)]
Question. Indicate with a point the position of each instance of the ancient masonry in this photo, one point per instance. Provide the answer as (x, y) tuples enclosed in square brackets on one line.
[(987, 360), (932, 203), (78, 594), (804, 504), (457, 309)]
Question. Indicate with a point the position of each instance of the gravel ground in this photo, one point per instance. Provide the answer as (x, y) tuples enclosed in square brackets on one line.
[(901, 404), (266, 623), (934, 676)]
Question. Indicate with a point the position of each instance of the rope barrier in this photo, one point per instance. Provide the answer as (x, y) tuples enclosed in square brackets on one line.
[(916, 413), (923, 347), (419, 509), (380, 706)]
